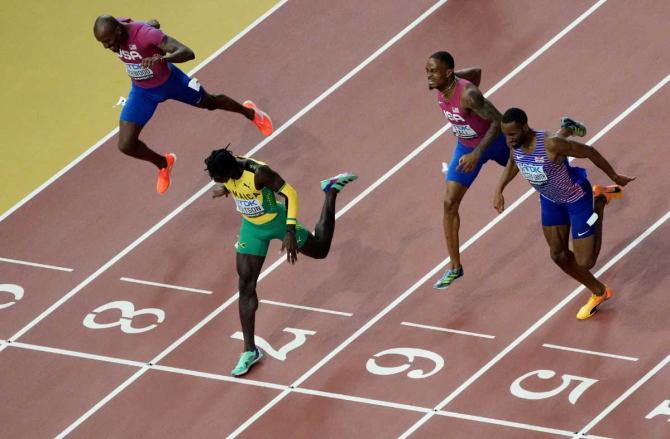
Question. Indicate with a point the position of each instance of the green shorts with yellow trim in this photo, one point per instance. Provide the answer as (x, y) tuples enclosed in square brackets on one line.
[(255, 238)]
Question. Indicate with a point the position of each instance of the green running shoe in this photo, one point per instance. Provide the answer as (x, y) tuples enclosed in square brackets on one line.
[(578, 128), (448, 278), (247, 359), (338, 182)]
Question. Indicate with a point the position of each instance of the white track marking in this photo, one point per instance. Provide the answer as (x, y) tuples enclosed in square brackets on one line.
[(71, 353), (632, 389), (584, 351), (454, 331), (116, 130), (203, 190), (306, 308), (512, 424), (172, 287), (34, 264), (303, 391), (536, 325), (350, 75), (437, 268)]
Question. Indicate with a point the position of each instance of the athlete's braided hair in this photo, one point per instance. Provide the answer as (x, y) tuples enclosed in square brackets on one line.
[(219, 162), (445, 57), (516, 115)]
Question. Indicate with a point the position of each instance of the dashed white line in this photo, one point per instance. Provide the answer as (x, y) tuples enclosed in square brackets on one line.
[(35, 264), (453, 331), (168, 286), (584, 351), (306, 308)]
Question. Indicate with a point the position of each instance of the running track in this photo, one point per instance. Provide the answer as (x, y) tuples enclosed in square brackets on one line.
[(374, 351)]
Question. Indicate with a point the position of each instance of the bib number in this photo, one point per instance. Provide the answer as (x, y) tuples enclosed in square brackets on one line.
[(533, 173)]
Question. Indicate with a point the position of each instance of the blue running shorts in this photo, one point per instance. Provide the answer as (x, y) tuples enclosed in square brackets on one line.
[(142, 102)]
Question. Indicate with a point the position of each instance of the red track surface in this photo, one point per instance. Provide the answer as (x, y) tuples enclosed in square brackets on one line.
[(62, 376)]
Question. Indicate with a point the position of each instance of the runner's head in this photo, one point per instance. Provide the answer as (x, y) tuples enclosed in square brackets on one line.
[(109, 32), (222, 165), (440, 70), (515, 127)]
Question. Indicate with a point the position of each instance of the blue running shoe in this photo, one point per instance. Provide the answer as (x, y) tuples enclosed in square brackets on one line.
[(448, 278)]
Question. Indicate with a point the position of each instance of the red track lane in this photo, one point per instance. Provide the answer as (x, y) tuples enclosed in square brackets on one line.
[(624, 325), (196, 262), (489, 298), (115, 201), (385, 244)]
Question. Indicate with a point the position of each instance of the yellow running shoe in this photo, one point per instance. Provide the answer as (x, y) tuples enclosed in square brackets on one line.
[(591, 306), (610, 192)]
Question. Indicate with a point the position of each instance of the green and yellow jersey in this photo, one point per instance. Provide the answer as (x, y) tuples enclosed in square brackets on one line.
[(256, 206)]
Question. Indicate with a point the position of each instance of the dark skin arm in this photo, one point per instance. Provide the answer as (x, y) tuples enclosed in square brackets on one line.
[(473, 100), (472, 74), (510, 171), (153, 23), (558, 148), (266, 177), (175, 52)]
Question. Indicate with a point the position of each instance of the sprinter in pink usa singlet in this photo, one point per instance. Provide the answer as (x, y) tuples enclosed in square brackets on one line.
[(149, 57)]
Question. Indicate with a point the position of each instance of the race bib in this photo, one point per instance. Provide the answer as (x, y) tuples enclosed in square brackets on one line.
[(138, 73), (249, 208), (463, 131), (533, 173)]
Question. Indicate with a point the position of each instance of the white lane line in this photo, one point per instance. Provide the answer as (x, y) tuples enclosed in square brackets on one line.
[(171, 287), (632, 389), (512, 424), (304, 391), (453, 331), (307, 308), (194, 197), (71, 353), (536, 325), (116, 130), (351, 74), (584, 351), (34, 264), (184, 205)]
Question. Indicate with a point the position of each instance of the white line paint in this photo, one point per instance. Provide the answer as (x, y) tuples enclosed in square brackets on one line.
[(116, 130), (70, 353), (34, 264), (306, 308), (512, 424), (536, 325), (204, 189), (632, 389), (101, 403), (453, 331), (172, 287), (304, 391), (190, 201), (584, 351), (351, 74)]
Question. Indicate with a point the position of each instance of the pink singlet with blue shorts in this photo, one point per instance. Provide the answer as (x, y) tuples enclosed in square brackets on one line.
[(469, 130), (155, 84)]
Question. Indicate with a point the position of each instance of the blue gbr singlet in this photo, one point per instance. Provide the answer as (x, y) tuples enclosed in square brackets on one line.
[(558, 182)]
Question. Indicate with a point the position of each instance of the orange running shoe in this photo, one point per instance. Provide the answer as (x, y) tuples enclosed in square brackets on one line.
[(261, 119), (591, 306), (610, 192), (163, 182)]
